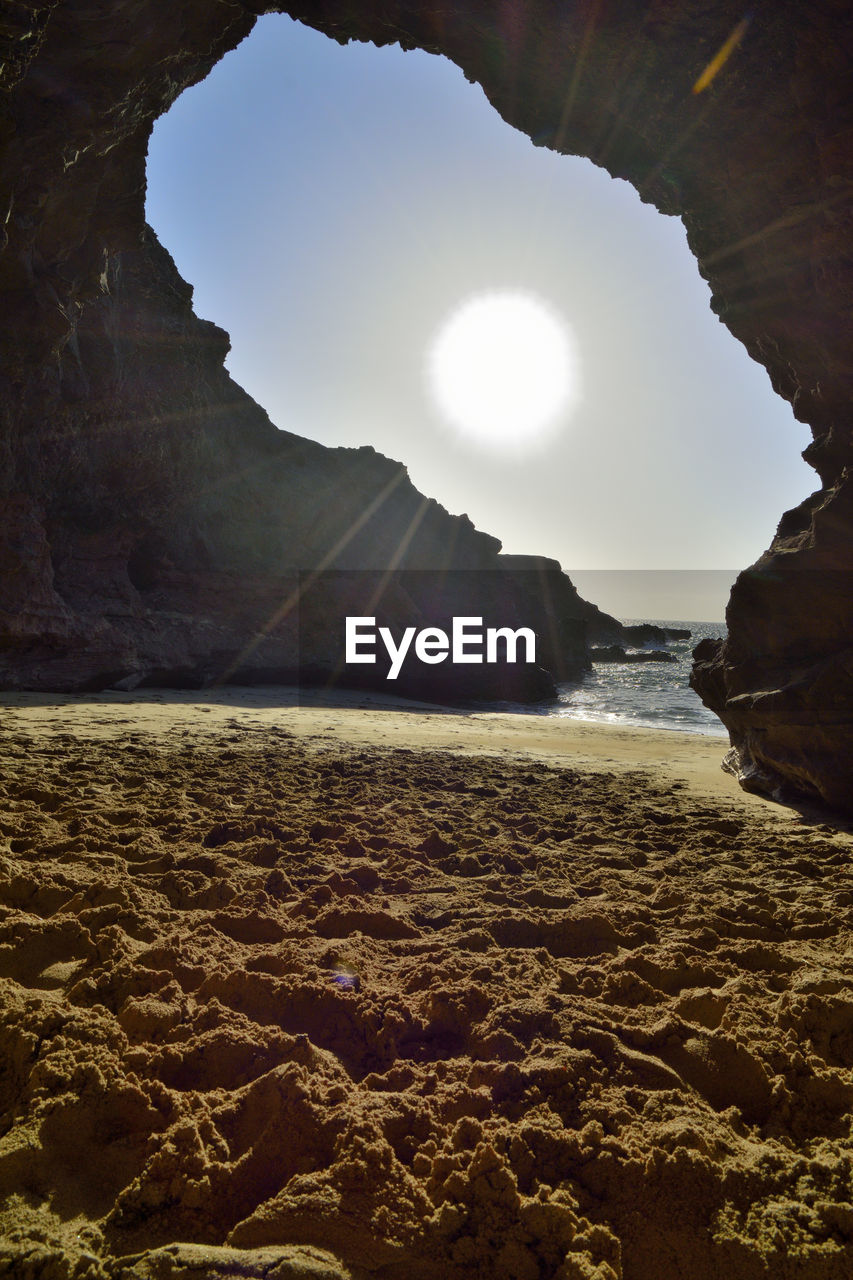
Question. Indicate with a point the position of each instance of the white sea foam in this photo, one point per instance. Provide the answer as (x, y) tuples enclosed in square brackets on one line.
[(654, 694)]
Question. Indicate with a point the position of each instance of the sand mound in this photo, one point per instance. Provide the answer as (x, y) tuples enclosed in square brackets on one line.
[(279, 1009)]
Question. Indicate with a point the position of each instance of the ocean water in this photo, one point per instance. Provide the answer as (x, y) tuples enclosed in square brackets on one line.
[(654, 694)]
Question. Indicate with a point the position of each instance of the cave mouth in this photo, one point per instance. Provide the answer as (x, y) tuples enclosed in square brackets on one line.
[(372, 190), (119, 403)]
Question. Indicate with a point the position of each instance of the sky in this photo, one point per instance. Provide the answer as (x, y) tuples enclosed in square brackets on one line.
[(337, 208)]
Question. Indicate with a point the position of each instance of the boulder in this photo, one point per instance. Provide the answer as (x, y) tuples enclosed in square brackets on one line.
[(615, 653)]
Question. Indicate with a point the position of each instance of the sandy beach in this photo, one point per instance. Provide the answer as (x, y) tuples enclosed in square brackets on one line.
[(294, 989)]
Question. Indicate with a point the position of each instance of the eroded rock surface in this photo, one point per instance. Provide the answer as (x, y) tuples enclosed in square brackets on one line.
[(153, 512)]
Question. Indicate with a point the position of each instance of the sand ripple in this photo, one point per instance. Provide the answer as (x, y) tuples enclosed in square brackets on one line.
[(276, 1009)]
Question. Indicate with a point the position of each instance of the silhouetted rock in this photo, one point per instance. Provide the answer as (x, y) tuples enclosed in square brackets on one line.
[(782, 683), (558, 613), (602, 629), (615, 653), (643, 633), (418, 600)]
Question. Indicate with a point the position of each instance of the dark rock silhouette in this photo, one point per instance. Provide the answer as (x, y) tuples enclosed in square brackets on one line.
[(413, 600), (153, 517), (646, 633), (615, 653), (561, 607)]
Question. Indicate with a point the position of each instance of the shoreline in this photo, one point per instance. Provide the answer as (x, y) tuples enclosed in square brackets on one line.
[(368, 719)]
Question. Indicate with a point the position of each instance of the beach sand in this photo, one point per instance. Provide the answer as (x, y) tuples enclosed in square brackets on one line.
[(347, 990)]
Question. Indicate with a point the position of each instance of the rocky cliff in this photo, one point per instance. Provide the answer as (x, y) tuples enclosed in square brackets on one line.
[(153, 515), (156, 521)]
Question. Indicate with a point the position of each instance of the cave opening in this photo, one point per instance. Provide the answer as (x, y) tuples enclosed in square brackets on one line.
[(331, 205)]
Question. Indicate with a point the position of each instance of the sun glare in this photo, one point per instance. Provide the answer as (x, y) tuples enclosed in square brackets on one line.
[(503, 371)]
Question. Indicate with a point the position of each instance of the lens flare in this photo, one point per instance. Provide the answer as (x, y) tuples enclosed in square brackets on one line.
[(722, 56)]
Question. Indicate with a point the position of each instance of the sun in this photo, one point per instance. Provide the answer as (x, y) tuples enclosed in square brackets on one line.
[(502, 371)]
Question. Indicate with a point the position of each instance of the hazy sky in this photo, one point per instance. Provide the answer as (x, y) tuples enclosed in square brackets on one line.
[(335, 207)]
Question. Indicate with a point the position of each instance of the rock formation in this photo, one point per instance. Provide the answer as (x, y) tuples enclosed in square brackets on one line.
[(536, 646), (615, 653), (152, 514)]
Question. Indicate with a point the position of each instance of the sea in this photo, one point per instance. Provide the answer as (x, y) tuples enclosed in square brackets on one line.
[(656, 695)]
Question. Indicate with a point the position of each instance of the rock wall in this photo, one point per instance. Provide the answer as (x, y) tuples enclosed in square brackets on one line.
[(152, 512)]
